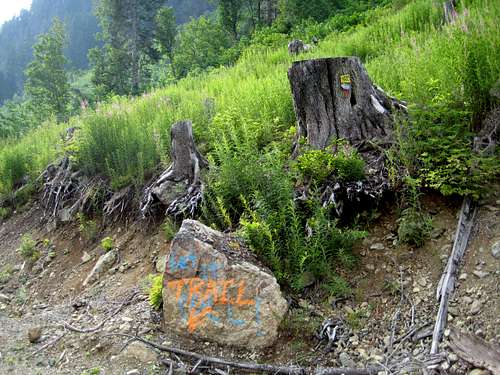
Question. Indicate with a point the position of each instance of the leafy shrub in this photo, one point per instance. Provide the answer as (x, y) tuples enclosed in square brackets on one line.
[(155, 291), (28, 248), (318, 165), (441, 144), (4, 212), (6, 273), (415, 227), (87, 227), (107, 244), (170, 229)]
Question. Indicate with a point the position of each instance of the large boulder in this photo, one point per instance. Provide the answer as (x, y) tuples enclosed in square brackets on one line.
[(214, 289)]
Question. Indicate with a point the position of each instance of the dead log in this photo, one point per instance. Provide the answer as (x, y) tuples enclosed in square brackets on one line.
[(450, 11), (334, 98), (446, 285), (252, 367), (180, 187), (475, 350)]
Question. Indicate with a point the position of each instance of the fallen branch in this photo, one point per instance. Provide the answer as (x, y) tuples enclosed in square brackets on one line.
[(447, 283), (268, 369), (125, 303), (47, 345)]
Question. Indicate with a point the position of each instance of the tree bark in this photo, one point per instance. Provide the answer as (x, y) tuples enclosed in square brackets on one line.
[(180, 187), (326, 111), (334, 98)]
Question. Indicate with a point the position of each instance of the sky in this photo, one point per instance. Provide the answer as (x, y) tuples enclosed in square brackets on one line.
[(11, 8)]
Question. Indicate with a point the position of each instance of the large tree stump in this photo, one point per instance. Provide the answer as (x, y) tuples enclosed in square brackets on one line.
[(334, 98), (179, 188)]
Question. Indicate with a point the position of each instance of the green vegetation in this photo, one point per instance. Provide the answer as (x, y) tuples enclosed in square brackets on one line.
[(415, 226), (107, 244), (6, 273), (28, 248), (155, 291), (170, 229), (87, 227), (47, 84)]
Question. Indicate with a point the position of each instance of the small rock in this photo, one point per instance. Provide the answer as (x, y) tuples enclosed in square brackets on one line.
[(436, 233), (462, 277), (467, 300), (4, 298), (476, 307), (370, 267), (346, 361), (161, 264), (377, 246), (495, 249), (139, 352), (103, 265), (480, 274), (86, 257), (422, 282), (34, 334), (127, 319), (134, 372), (478, 371), (452, 357)]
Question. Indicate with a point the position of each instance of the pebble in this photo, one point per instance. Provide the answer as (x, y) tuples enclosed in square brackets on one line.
[(134, 372), (476, 307), (481, 274), (34, 334), (495, 250), (346, 361), (463, 276), (467, 300), (86, 257), (377, 246)]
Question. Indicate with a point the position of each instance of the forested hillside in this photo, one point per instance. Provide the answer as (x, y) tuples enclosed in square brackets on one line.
[(18, 35)]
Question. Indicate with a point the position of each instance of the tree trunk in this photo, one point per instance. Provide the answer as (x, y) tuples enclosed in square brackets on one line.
[(334, 98), (328, 109), (179, 188)]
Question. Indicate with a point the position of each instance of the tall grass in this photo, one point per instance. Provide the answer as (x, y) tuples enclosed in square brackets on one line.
[(406, 51)]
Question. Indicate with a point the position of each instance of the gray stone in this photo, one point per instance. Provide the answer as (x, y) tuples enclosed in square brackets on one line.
[(476, 307), (377, 246), (480, 274), (161, 264), (478, 371), (462, 277), (138, 351), (86, 257), (295, 47), (438, 232), (495, 249), (346, 361), (4, 298), (215, 291), (104, 263)]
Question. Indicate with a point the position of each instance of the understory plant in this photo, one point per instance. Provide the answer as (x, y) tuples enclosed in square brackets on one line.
[(28, 248), (415, 226), (155, 291)]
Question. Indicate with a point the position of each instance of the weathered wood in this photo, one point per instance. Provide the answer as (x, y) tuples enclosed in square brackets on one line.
[(446, 285), (253, 367), (180, 187), (475, 350), (326, 111), (334, 98)]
